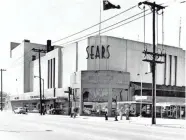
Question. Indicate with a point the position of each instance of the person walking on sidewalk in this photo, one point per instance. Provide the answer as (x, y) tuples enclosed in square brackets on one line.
[(121, 113), (106, 113), (72, 112), (75, 112), (127, 112)]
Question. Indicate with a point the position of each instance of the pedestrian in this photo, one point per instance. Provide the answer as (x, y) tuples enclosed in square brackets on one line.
[(72, 112), (127, 113), (75, 112), (182, 113), (106, 113), (121, 113)]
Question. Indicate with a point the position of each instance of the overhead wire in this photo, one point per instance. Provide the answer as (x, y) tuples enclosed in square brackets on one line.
[(108, 27), (69, 42), (19, 58), (157, 47), (125, 23), (95, 24), (163, 49), (18, 64), (157, 30), (145, 48)]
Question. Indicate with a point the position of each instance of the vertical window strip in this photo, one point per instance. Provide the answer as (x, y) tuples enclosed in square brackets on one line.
[(165, 69), (48, 78), (54, 72), (170, 72), (51, 79), (176, 70)]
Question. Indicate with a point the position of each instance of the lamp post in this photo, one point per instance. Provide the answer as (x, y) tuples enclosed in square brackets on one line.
[(43, 84), (141, 80)]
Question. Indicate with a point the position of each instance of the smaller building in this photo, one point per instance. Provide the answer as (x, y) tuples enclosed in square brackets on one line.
[(31, 100), (5, 100), (101, 86)]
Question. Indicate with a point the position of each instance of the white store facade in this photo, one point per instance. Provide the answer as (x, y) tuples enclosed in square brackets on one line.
[(102, 67)]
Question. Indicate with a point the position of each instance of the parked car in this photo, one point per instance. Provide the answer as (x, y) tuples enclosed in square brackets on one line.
[(57, 111), (34, 110), (20, 110)]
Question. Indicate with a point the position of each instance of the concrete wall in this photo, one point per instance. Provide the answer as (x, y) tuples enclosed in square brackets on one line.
[(44, 69), (126, 55), (135, 65), (104, 85), (13, 45), (28, 71), (117, 60), (16, 70)]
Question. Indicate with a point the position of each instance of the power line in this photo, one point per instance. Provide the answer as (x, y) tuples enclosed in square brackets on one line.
[(24, 62), (101, 22), (20, 57), (41, 101), (95, 24), (69, 42), (80, 39), (126, 23), (2, 88)]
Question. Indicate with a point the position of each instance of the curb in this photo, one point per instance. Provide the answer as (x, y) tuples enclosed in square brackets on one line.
[(138, 123), (160, 125)]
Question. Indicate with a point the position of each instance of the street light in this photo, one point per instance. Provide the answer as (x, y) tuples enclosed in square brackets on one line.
[(141, 90), (43, 84)]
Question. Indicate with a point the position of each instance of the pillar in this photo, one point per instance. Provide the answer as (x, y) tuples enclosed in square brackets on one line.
[(109, 106)]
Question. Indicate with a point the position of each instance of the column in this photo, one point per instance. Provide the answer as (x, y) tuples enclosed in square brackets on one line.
[(81, 102), (109, 106)]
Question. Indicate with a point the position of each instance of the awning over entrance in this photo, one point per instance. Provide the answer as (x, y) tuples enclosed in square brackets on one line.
[(163, 93), (148, 86)]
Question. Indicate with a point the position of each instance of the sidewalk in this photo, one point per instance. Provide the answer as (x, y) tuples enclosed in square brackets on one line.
[(172, 123)]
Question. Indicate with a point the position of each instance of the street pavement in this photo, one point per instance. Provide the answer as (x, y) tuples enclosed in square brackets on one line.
[(36, 127)]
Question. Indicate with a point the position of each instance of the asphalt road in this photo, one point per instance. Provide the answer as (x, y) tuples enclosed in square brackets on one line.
[(36, 127)]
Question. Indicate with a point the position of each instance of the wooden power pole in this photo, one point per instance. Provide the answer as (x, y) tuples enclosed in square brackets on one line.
[(40, 51), (155, 8), (2, 88)]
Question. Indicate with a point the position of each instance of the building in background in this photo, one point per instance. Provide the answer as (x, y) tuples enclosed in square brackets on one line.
[(25, 76), (5, 101), (98, 70)]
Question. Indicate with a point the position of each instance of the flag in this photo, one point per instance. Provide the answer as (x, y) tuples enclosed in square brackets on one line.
[(107, 5)]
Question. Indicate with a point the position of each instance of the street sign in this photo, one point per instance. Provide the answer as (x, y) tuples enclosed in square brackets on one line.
[(140, 97)]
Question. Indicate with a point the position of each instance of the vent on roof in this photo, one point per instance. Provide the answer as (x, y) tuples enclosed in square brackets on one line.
[(49, 46), (26, 40)]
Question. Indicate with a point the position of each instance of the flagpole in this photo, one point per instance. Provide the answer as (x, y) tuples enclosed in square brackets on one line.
[(180, 33), (100, 19), (100, 29)]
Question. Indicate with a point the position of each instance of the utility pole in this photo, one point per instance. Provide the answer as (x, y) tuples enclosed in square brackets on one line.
[(69, 102), (180, 33), (40, 51), (2, 88), (155, 8)]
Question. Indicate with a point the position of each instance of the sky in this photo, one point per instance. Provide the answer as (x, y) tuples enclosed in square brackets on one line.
[(40, 20)]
